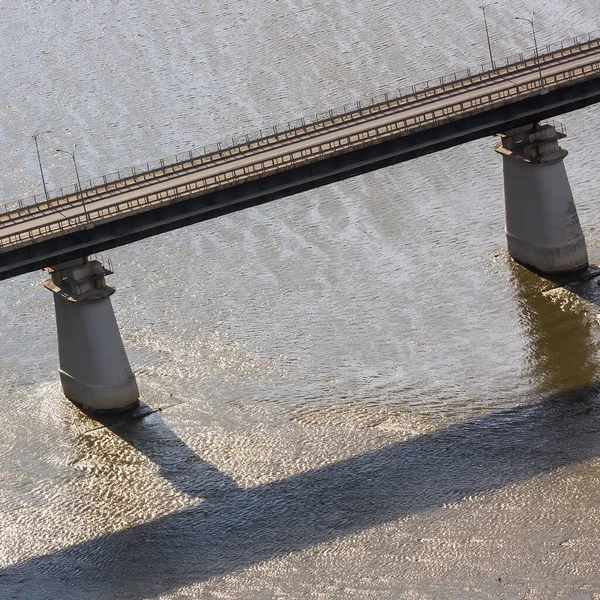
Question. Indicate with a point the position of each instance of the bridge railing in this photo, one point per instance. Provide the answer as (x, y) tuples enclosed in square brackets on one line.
[(277, 133), (356, 139)]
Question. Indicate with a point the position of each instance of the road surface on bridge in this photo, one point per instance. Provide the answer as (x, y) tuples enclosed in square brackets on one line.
[(298, 147)]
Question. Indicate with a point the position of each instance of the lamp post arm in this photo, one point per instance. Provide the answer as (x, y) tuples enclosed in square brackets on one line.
[(487, 32), (37, 149), (76, 170), (537, 55), (72, 155), (534, 37)]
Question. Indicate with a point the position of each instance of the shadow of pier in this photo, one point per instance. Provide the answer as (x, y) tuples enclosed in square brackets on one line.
[(145, 430)]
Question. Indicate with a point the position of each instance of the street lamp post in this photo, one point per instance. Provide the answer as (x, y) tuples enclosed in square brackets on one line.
[(487, 33), (72, 155), (537, 55), (37, 149)]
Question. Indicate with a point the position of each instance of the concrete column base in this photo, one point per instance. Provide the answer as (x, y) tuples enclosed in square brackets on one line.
[(542, 227), (94, 369)]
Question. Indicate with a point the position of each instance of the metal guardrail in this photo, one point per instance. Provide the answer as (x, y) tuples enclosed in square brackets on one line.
[(318, 151), (451, 82), (558, 126)]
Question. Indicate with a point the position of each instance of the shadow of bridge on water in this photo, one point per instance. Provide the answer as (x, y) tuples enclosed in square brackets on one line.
[(235, 528)]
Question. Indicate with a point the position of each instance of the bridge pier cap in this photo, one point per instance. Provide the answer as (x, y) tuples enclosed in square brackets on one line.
[(94, 369), (542, 227)]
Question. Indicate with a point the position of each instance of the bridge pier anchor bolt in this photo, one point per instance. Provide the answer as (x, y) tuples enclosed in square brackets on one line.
[(542, 227), (94, 369)]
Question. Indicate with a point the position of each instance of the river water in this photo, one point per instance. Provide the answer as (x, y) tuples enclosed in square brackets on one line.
[(348, 393)]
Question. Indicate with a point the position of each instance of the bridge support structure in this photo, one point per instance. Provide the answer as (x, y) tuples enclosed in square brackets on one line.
[(542, 227), (94, 369)]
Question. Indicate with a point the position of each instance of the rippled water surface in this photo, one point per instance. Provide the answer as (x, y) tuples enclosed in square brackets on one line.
[(348, 393)]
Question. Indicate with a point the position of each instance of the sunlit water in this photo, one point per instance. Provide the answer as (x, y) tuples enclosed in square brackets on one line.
[(357, 394)]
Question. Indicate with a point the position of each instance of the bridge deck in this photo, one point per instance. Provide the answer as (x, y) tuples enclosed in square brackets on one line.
[(87, 214)]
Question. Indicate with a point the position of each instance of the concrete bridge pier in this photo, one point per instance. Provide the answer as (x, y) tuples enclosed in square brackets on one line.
[(94, 369), (542, 226)]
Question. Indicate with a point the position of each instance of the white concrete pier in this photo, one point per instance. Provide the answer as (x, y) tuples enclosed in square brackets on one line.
[(94, 369), (542, 227)]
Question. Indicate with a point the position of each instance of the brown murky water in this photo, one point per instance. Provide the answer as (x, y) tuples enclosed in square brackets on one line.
[(349, 393)]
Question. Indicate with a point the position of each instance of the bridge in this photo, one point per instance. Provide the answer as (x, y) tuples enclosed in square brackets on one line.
[(511, 100)]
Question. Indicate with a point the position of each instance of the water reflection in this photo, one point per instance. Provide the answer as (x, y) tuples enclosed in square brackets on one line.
[(561, 349)]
